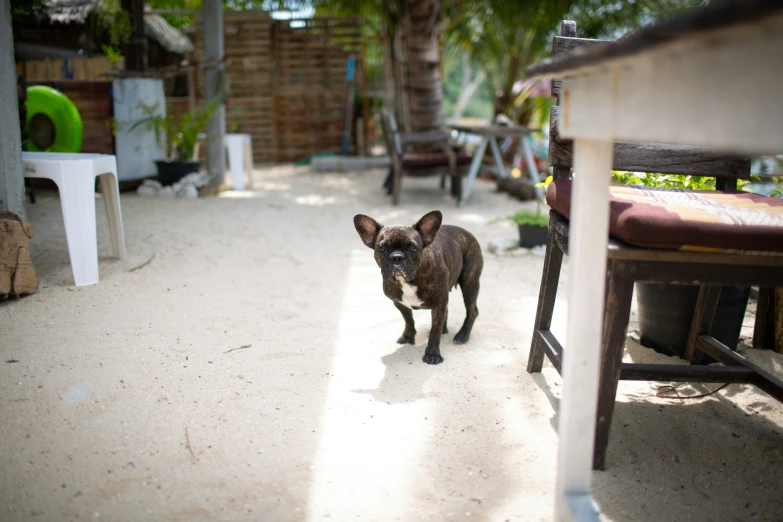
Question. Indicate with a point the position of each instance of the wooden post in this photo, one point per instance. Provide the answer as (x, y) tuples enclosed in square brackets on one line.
[(214, 88), (363, 150), (11, 179), (136, 51), (191, 79), (778, 298), (587, 245)]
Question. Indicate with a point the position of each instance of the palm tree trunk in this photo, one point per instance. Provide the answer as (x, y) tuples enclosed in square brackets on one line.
[(425, 86)]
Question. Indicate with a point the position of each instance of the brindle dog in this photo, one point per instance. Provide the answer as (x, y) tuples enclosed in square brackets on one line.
[(420, 265)]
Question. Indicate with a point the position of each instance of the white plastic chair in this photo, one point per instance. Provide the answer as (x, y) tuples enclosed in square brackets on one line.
[(75, 176), (240, 159)]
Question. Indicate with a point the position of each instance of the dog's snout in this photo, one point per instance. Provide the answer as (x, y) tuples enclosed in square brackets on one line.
[(397, 257)]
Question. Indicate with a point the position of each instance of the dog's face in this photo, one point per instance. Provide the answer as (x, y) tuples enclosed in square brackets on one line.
[(399, 250)]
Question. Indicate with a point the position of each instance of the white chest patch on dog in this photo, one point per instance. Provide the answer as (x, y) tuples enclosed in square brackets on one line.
[(409, 296)]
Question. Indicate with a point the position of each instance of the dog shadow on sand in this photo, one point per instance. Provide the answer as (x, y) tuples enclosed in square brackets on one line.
[(405, 374)]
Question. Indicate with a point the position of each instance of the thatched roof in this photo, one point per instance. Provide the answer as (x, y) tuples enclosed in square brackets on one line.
[(155, 26), (169, 37)]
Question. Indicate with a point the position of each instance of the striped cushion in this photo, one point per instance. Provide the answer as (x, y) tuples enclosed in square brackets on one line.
[(677, 219)]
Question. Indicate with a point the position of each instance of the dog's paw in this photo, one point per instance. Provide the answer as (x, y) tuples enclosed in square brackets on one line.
[(432, 358), (407, 338), (462, 337), (445, 328)]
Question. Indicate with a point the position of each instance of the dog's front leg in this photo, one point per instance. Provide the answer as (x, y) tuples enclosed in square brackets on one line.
[(432, 352), (409, 334)]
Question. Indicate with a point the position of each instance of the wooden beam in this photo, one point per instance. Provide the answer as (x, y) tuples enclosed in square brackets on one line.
[(764, 313), (11, 179), (778, 320), (136, 50), (215, 85), (625, 104), (706, 305), (590, 227), (686, 373), (720, 352)]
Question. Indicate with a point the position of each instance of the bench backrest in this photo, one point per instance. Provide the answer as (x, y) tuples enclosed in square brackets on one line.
[(391, 132), (639, 157)]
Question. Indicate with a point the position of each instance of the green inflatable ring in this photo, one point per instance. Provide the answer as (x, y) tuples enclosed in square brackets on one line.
[(53, 121)]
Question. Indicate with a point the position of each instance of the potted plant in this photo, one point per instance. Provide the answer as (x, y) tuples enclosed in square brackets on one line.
[(180, 134), (533, 226), (665, 311)]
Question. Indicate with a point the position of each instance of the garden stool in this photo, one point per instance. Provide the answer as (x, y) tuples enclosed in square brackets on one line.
[(75, 176), (240, 159)]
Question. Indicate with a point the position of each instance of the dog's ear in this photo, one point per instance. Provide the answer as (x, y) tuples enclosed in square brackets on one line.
[(428, 226), (367, 228)]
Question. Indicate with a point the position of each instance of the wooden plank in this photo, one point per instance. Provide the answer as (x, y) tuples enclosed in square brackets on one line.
[(617, 250), (706, 305), (701, 274), (685, 373), (615, 325), (778, 320), (765, 309), (762, 378), (621, 100), (697, 24), (586, 269), (651, 157), (564, 45)]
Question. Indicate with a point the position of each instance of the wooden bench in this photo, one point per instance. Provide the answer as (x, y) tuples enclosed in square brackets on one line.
[(669, 264), (440, 160)]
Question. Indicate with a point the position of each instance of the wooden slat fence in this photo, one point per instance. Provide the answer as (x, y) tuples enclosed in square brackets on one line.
[(76, 69), (287, 81)]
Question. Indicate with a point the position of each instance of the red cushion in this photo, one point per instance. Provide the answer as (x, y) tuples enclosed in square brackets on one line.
[(684, 219)]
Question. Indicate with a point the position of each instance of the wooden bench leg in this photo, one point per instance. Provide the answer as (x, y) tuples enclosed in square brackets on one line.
[(768, 330), (616, 315), (456, 188), (553, 260), (778, 346), (388, 183), (706, 305), (396, 182), (761, 327)]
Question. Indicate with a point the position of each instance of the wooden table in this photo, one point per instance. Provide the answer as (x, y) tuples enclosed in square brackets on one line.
[(489, 135), (710, 78)]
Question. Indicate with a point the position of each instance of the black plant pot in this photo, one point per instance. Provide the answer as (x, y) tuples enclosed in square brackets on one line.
[(530, 236), (171, 171), (666, 312)]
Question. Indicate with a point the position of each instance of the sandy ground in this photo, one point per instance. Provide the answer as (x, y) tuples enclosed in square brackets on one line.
[(132, 400)]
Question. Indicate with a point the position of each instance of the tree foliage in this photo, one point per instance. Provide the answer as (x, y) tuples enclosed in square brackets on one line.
[(506, 37)]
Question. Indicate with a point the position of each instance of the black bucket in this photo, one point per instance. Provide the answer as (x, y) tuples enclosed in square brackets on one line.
[(666, 313), (530, 236), (169, 172)]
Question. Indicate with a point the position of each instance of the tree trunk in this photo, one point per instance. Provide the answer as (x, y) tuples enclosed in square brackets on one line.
[(136, 50), (424, 83)]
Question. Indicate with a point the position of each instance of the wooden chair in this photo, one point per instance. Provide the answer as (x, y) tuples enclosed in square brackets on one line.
[(721, 254), (441, 160)]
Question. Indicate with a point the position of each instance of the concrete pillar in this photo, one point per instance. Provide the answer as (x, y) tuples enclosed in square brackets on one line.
[(215, 88), (11, 179)]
